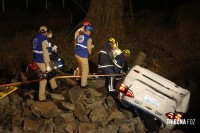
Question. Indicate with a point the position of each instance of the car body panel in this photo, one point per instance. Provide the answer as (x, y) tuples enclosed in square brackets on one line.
[(154, 94)]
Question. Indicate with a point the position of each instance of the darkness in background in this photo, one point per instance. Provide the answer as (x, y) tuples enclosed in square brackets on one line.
[(37, 7)]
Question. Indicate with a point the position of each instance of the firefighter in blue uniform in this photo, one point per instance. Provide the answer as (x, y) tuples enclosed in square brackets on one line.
[(120, 62), (105, 62), (42, 60)]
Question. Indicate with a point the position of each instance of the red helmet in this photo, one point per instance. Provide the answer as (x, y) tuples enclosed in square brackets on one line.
[(86, 23)]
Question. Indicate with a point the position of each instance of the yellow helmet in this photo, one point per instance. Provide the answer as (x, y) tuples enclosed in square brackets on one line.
[(115, 45), (126, 51), (112, 40)]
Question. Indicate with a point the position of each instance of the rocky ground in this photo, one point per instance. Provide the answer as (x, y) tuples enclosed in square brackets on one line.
[(69, 110)]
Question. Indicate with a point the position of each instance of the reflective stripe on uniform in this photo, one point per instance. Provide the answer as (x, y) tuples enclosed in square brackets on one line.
[(49, 44), (81, 45), (38, 52), (60, 66), (104, 66), (101, 51), (115, 62), (110, 85)]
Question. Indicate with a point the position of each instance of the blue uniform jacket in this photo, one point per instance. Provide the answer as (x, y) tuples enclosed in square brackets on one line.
[(120, 64), (81, 45), (105, 57), (37, 48)]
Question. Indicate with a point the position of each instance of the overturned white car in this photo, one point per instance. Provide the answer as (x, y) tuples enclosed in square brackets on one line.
[(156, 96)]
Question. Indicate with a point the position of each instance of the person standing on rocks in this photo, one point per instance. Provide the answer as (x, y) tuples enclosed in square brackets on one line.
[(56, 60), (81, 30), (105, 62), (42, 60), (82, 50), (120, 62)]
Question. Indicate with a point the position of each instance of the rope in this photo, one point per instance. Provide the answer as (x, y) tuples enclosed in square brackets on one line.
[(57, 77)]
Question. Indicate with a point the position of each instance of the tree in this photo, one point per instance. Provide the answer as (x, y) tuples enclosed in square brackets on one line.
[(107, 19)]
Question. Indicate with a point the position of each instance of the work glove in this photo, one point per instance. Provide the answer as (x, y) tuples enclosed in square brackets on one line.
[(48, 68), (54, 48)]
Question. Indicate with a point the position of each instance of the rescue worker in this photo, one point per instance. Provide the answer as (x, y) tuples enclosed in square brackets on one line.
[(54, 48), (42, 60), (82, 50), (56, 61), (105, 62), (80, 30), (120, 62), (127, 55)]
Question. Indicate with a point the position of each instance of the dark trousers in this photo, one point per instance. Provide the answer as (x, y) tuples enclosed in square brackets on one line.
[(110, 81)]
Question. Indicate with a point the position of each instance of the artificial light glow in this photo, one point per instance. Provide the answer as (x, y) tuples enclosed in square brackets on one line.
[(122, 88), (178, 116), (129, 93), (170, 115)]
